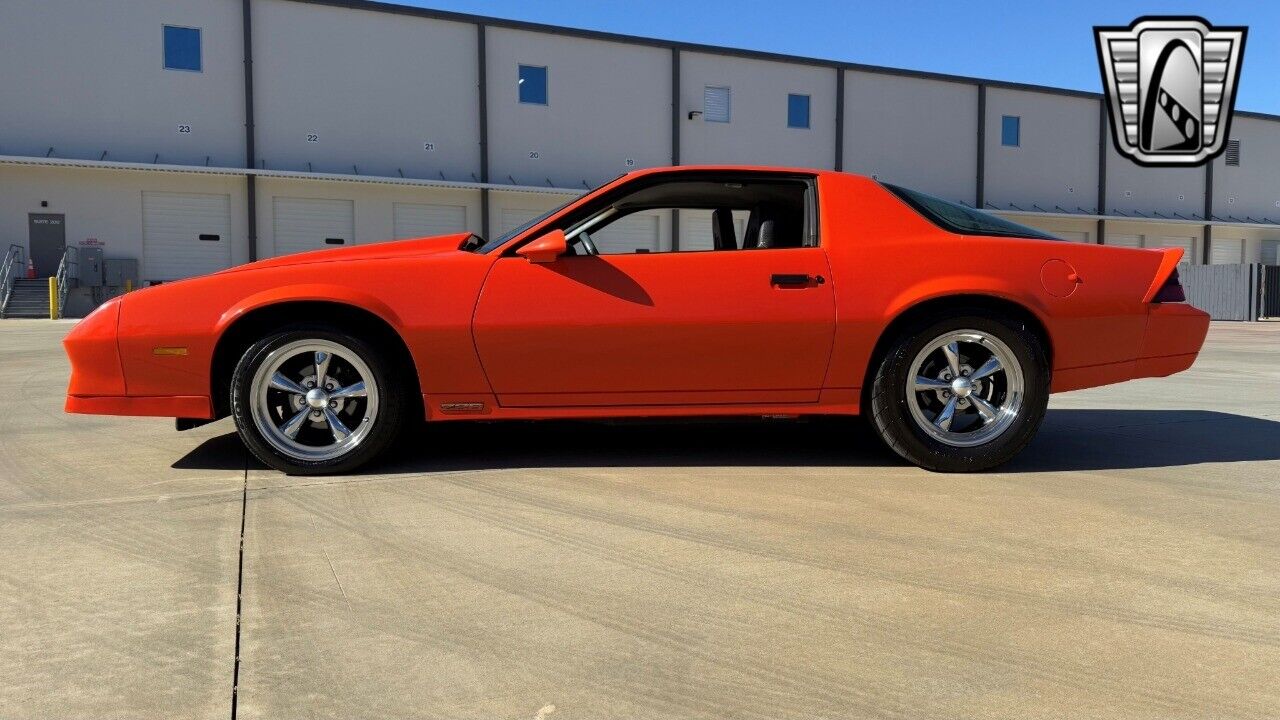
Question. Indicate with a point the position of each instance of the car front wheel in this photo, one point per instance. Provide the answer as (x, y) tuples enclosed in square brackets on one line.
[(965, 393), (310, 400)]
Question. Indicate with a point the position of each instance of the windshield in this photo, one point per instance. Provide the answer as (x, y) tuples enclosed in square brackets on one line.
[(964, 220), (505, 237), (510, 235)]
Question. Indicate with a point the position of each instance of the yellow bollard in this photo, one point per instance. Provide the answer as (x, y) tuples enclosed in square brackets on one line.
[(53, 298), (128, 285)]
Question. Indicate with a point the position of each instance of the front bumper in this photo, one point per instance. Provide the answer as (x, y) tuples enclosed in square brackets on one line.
[(179, 406), (94, 352), (98, 386)]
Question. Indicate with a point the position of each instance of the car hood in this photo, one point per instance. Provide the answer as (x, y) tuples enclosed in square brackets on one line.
[(376, 251)]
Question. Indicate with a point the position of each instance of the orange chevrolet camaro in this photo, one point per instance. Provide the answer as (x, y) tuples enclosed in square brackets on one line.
[(812, 293)]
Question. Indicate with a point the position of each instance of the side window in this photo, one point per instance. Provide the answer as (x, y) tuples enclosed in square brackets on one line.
[(182, 48), (640, 232), (698, 228), (734, 214), (1011, 131), (798, 111), (533, 84)]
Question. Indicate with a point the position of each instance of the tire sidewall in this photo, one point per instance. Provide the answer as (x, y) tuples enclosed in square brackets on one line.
[(898, 428), (386, 424)]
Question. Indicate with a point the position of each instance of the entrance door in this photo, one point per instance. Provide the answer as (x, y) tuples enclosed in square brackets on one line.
[(47, 235)]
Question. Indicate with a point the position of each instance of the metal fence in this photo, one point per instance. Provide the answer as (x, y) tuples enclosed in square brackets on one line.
[(1269, 291), (1227, 292)]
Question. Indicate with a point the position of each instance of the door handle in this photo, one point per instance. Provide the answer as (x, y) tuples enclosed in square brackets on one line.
[(795, 280)]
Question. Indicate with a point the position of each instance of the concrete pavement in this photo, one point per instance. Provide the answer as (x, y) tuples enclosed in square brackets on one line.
[(117, 571), (1124, 566)]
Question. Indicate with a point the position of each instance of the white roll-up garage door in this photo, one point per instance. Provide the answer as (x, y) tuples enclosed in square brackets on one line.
[(1133, 241), (1071, 235), (185, 234), (630, 234), (1169, 241), (1271, 252), (1226, 251), (695, 229), (311, 224), (412, 220), (513, 218)]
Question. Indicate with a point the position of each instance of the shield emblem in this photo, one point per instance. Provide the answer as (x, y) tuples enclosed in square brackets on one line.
[(1170, 85)]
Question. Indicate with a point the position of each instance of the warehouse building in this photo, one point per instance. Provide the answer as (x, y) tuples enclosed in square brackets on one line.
[(193, 135)]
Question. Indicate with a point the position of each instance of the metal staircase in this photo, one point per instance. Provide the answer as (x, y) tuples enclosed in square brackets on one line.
[(27, 299), (12, 269)]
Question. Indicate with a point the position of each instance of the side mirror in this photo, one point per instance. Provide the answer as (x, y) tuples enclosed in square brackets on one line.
[(546, 248)]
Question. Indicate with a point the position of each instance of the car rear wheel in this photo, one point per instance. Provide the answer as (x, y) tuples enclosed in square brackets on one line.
[(962, 394), (310, 400)]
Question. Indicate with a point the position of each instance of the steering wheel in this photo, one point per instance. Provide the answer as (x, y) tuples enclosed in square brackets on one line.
[(584, 239)]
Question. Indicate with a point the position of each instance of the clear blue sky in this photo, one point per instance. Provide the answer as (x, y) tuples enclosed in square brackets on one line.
[(1031, 42)]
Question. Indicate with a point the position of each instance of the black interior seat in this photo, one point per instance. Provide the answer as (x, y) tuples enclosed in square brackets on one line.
[(774, 227), (759, 214), (766, 238), (723, 235)]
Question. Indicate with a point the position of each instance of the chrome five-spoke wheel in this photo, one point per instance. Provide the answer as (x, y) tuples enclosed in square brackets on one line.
[(313, 400), (965, 388)]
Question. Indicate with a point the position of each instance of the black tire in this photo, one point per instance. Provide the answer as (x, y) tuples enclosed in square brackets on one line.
[(892, 418), (384, 427)]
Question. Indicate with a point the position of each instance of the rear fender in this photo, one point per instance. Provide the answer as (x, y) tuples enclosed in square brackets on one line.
[(948, 285), (855, 356)]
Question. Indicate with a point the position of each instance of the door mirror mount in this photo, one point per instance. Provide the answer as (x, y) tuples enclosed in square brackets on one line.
[(546, 248)]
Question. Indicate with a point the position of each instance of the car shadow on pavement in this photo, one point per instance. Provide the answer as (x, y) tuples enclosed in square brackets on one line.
[(1068, 440), (1125, 439)]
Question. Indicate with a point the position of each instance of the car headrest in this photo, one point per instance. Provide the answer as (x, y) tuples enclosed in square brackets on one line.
[(766, 237)]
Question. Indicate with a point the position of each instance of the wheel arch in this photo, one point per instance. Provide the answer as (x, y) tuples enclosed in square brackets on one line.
[(247, 327), (937, 306)]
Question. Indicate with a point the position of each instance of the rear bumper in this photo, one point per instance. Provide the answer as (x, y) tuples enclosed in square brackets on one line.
[(1174, 335), (1174, 329), (181, 406)]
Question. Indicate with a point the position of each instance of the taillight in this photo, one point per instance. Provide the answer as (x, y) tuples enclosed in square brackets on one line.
[(1171, 291)]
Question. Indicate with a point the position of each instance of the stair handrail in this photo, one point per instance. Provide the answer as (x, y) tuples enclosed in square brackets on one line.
[(14, 265), (70, 262)]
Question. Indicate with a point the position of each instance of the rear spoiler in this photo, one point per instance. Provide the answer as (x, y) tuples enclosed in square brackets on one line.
[(1169, 258)]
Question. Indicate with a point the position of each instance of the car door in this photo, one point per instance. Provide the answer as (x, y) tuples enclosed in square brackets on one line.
[(652, 328)]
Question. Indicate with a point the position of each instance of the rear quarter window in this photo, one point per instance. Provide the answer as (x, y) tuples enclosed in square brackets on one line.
[(956, 218)]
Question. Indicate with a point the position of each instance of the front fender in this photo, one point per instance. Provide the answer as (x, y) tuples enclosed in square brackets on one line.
[(191, 318), (322, 292)]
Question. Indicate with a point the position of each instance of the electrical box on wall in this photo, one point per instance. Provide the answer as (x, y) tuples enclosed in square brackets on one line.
[(90, 271), (115, 272)]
